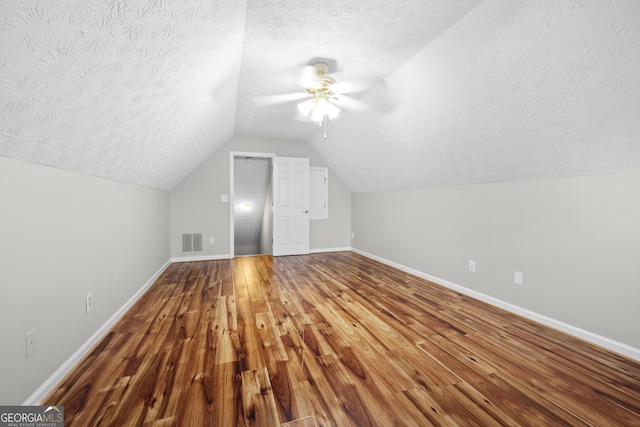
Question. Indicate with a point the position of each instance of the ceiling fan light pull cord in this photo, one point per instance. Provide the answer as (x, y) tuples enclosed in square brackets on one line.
[(325, 127)]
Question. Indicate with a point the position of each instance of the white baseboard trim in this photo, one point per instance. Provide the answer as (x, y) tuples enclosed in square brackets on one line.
[(47, 387), (228, 256), (201, 258), (317, 251), (615, 346)]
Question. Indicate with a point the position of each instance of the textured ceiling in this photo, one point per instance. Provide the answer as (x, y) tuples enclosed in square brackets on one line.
[(144, 91), (514, 90), (137, 91)]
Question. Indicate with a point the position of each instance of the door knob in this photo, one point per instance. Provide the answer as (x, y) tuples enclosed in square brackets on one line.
[(307, 211)]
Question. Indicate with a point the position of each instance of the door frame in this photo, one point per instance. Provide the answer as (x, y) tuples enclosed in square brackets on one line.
[(232, 155)]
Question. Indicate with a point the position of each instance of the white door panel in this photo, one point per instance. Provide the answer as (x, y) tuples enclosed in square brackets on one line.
[(291, 206)]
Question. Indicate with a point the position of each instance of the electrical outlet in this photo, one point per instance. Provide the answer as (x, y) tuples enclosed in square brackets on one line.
[(30, 342), (89, 301), (472, 266), (224, 198), (353, 235), (517, 278), (212, 240), (116, 282)]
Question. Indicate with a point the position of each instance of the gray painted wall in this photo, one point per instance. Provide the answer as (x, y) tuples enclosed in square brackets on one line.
[(196, 206), (577, 241), (64, 235)]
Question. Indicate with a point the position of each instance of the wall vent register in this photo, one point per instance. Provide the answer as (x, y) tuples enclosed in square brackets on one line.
[(192, 242)]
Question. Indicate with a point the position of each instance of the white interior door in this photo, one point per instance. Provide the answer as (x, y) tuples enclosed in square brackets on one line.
[(290, 206)]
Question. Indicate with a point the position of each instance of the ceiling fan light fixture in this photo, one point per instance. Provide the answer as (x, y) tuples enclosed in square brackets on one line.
[(316, 116), (332, 110), (317, 108), (321, 110), (307, 106)]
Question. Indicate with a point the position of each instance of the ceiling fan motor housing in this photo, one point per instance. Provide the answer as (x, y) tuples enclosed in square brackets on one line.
[(321, 90), (321, 68)]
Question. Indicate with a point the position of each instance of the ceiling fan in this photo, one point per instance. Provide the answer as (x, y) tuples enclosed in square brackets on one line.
[(323, 98)]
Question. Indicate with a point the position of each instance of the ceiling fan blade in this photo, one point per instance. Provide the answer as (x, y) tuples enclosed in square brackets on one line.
[(360, 85), (308, 77), (382, 98), (376, 92), (264, 101), (348, 103)]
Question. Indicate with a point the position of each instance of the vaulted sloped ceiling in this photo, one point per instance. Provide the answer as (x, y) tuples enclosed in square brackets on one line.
[(514, 90), (144, 91)]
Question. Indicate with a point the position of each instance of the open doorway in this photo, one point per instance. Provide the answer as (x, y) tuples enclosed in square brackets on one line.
[(252, 208)]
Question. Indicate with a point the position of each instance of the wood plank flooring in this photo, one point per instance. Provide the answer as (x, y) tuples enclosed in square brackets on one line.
[(336, 339)]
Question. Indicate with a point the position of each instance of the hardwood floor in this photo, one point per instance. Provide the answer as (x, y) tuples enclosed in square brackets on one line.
[(336, 339)]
